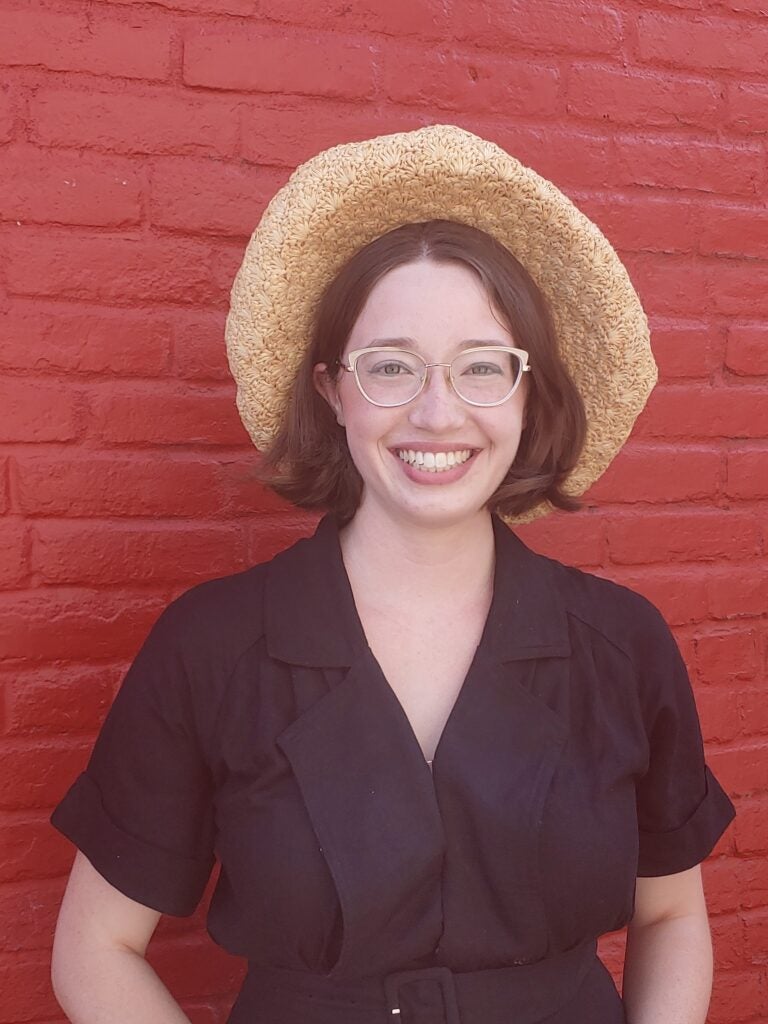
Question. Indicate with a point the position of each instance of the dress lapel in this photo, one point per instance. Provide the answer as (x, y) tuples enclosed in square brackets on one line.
[(382, 821)]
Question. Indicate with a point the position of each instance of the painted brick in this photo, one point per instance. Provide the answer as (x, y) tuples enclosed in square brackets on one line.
[(72, 42), (735, 592), (68, 188), (468, 81), (427, 18), (728, 940), (576, 539), (739, 289), (25, 981), (670, 286), (754, 711), (730, 169), (31, 849), (718, 714), (7, 113), (264, 60), (13, 552), (103, 485), (153, 122), (99, 268), (755, 934), (747, 474), (746, 351), (750, 827), (105, 341), (41, 625), (4, 473), (648, 223), (686, 349), (734, 231), (647, 99), (745, 6), (705, 43), (34, 411), (267, 536), (286, 135), (724, 656), (690, 410), (236, 7), (159, 416), (741, 770), (39, 772), (546, 25), (634, 539), (199, 352), (661, 474), (721, 884), (681, 596), (748, 106), (209, 195), (32, 912), (736, 995), (134, 554), (751, 875), (56, 700), (576, 158)]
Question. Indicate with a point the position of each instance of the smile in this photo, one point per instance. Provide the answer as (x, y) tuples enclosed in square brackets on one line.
[(434, 462)]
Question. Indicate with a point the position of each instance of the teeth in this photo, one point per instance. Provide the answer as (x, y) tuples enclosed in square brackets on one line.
[(434, 462)]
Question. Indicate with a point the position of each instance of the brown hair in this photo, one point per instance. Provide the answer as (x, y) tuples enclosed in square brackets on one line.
[(309, 462)]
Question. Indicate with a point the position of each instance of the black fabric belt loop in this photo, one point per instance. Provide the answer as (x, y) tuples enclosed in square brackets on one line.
[(524, 993)]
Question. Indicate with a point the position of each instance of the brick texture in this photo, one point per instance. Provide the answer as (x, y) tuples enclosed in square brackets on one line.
[(139, 145)]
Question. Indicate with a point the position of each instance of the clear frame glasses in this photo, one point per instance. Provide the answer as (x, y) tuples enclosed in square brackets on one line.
[(486, 375)]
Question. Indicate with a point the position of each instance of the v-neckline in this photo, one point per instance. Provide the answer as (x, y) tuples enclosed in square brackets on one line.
[(361, 637)]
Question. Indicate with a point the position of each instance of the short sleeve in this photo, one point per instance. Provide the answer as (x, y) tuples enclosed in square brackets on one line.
[(682, 809), (141, 812)]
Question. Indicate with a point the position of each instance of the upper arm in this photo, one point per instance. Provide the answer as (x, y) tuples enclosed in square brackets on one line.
[(664, 897), (95, 915)]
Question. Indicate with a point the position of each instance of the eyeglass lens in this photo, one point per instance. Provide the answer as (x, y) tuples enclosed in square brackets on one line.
[(392, 378)]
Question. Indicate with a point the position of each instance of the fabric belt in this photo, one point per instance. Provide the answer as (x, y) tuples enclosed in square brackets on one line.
[(428, 995)]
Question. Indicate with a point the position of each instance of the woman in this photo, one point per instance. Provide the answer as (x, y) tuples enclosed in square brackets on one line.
[(434, 766)]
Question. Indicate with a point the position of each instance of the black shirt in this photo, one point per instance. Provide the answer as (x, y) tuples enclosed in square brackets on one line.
[(256, 727)]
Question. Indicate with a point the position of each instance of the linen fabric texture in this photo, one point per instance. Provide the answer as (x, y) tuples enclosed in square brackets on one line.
[(256, 728)]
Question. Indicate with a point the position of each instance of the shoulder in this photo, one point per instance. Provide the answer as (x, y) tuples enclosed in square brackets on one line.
[(619, 615)]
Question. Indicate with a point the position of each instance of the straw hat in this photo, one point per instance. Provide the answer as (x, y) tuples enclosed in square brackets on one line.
[(340, 200)]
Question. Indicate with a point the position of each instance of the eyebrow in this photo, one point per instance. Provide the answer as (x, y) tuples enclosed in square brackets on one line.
[(412, 343)]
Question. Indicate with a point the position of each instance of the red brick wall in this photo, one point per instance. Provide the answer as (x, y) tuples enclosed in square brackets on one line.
[(139, 142)]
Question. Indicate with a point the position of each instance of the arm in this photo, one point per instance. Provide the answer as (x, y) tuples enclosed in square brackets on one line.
[(668, 964), (99, 973)]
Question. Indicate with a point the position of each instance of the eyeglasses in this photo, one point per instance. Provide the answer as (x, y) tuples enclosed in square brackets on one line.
[(485, 376)]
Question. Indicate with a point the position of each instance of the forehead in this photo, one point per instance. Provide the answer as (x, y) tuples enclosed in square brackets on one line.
[(425, 303)]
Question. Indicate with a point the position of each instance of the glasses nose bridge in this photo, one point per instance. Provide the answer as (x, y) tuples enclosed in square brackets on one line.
[(447, 377)]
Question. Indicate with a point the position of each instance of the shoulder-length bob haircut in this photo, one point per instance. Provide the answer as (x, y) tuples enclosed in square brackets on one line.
[(308, 461)]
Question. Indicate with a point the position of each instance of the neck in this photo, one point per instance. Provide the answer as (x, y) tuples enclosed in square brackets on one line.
[(408, 561)]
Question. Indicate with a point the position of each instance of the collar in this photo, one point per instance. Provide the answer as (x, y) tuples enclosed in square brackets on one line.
[(311, 618)]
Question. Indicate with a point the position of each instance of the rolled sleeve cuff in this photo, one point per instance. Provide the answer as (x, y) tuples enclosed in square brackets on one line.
[(165, 881), (666, 853)]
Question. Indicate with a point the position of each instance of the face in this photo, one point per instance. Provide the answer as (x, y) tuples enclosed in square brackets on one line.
[(436, 310)]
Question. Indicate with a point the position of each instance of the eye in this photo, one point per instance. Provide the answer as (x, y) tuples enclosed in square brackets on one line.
[(483, 369), (391, 368)]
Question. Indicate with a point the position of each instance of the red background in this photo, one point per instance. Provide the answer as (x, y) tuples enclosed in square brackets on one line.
[(139, 142)]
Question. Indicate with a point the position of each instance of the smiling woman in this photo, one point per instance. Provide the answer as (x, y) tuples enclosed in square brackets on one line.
[(431, 344), (436, 287)]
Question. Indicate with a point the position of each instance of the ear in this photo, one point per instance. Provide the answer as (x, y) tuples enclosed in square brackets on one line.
[(327, 387)]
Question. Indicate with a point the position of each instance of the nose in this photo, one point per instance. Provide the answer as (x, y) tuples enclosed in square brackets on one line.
[(437, 408)]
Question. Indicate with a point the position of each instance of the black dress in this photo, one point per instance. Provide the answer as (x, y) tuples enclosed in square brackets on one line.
[(256, 726)]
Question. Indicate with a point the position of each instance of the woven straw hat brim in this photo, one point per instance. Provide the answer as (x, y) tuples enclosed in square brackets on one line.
[(343, 198)]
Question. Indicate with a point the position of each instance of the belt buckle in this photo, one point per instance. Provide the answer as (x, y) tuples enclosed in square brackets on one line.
[(444, 975)]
